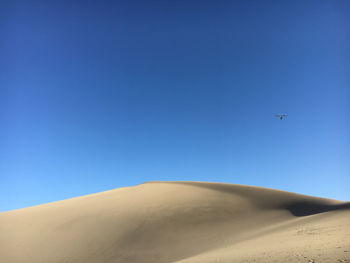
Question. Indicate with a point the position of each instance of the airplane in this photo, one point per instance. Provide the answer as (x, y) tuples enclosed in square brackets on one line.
[(281, 116)]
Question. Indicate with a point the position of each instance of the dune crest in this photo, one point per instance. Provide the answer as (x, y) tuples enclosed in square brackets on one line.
[(179, 222)]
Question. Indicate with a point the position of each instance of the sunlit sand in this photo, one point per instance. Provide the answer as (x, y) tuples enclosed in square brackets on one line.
[(179, 222)]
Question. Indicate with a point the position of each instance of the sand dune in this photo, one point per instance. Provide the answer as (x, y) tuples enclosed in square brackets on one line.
[(179, 222)]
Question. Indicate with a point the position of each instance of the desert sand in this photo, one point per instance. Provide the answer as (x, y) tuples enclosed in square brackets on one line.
[(179, 222)]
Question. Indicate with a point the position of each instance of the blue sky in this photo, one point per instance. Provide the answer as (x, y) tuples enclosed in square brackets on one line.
[(96, 95)]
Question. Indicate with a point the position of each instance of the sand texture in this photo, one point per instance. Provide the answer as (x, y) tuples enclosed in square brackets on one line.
[(190, 222)]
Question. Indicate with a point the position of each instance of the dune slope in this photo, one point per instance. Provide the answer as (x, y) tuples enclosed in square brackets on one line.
[(179, 222)]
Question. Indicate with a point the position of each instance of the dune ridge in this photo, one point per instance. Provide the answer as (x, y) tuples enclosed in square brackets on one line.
[(179, 222)]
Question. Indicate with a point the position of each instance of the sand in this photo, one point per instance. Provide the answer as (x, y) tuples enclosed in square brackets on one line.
[(179, 222)]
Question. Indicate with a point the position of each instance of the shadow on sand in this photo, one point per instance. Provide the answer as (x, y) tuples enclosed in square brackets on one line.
[(305, 208)]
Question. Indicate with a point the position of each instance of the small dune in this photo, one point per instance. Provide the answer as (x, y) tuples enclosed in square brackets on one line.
[(179, 222)]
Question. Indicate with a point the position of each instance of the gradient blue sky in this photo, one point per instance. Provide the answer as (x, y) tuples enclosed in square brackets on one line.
[(103, 94)]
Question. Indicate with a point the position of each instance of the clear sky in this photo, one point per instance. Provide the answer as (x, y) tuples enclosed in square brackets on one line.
[(96, 95)]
